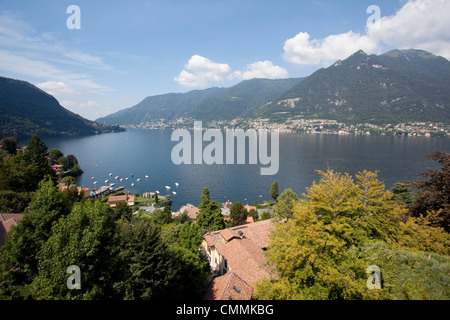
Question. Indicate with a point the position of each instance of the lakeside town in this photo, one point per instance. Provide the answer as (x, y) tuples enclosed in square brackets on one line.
[(310, 126)]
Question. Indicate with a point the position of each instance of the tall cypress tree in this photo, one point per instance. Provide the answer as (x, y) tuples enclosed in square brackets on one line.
[(210, 215)]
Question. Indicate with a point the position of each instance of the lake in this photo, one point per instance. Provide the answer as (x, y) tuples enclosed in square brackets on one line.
[(148, 152)]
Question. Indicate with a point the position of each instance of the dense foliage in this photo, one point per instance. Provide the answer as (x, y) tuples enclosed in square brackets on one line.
[(340, 228), (120, 256)]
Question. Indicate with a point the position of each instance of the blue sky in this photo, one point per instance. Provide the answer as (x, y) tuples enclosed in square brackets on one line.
[(127, 50)]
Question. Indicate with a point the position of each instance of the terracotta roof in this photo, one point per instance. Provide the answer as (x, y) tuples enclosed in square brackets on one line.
[(248, 208), (228, 287), (242, 248), (258, 232), (191, 211), (8, 220)]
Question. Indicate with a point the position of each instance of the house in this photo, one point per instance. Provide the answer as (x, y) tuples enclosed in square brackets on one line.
[(86, 192), (236, 255), (8, 220), (114, 200), (248, 208), (190, 210), (57, 168)]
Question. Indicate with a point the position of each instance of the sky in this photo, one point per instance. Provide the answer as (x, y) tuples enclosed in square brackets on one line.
[(98, 57)]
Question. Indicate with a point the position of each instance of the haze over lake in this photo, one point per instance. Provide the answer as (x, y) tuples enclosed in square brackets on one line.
[(148, 152)]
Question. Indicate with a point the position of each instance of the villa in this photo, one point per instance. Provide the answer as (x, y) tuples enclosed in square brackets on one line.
[(236, 255), (114, 200), (190, 210)]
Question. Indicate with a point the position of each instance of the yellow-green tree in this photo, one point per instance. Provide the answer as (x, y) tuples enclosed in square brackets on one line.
[(316, 253)]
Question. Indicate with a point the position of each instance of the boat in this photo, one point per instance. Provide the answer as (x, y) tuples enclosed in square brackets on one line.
[(126, 178), (138, 180), (121, 179), (146, 177), (117, 177), (157, 191), (177, 184), (132, 184), (95, 182), (173, 192), (110, 174), (106, 181), (167, 187), (92, 178)]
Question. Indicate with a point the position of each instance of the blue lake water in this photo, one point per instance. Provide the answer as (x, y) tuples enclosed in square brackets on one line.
[(148, 152)]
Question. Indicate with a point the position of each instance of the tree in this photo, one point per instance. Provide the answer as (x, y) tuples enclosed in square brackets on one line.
[(151, 270), (55, 154), (210, 215), (69, 181), (433, 192), (122, 211), (254, 214), (19, 255), (403, 193), (193, 272), (35, 154), (88, 238), (10, 145), (315, 252), (274, 190), (285, 205), (238, 214), (162, 217)]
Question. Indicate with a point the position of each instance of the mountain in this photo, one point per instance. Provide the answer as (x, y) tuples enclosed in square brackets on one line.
[(398, 86), (27, 110), (209, 104)]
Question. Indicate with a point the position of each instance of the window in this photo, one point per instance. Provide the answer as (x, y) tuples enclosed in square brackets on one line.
[(236, 289)]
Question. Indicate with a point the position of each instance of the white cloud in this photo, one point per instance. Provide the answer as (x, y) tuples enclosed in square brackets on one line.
[(301, 50), (199, 71), (419, 24), (56, 88), (262, 69)]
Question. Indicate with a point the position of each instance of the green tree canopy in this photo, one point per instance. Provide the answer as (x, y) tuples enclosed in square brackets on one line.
[(19, 255), (210, 215), (285, 205), (274, 190), (238, 214), (87, 238)]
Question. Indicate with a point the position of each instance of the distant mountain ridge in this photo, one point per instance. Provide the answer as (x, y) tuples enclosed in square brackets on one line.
[(26, 110), (394, 87), (209, 104)]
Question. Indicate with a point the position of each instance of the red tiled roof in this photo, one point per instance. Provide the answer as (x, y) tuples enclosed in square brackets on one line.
[(242, 248), (8, 220), (190, 210), (228, 286), (114, 199)]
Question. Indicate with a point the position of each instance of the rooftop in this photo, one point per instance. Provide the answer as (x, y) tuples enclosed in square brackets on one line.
[(8, 220)]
